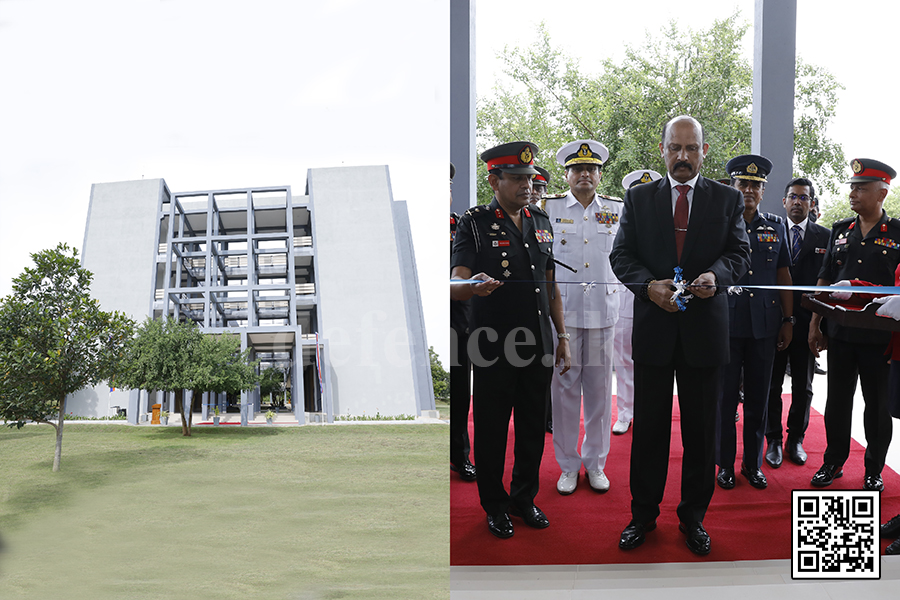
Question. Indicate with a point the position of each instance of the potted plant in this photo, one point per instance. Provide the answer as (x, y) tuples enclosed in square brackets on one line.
[(163, 417), (216, 417), (269, 416)]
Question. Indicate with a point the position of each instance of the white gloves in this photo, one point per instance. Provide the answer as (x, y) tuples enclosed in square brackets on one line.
[(890, 307), (841, 295)]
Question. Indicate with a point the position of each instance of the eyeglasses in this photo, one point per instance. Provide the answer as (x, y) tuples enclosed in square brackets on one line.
[(802, 198)]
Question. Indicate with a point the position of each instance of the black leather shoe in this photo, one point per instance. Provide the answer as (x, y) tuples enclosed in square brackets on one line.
[(893, 548), (891, 529), (773, 454), (725, 478), (633, 535), (532, 516), (755, 477), (795, 452), (467, 472), (697, 538), (500, 525), (826, 475), (873, 483)]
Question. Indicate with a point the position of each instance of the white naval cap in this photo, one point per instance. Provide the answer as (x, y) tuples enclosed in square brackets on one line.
[(582, 152), (640, 176)]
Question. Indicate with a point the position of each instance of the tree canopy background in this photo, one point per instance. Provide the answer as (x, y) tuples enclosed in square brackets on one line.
[(677, 71)]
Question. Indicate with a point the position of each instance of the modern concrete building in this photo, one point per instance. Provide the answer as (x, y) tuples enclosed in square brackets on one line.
[(322, 284)]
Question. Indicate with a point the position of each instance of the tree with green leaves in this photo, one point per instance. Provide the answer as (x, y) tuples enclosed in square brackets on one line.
[(440, 378), (839, 207), (54, 341), (173, 356), (156, 359), (681, 71), (218, 366), (271, 383)]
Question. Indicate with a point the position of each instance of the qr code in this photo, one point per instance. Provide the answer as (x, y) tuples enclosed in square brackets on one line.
[(835, 534)]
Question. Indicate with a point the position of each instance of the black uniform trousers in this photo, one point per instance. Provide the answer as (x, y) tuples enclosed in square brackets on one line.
[(460, 398), (846, 361), (803, 366), (755, 357), (698, 393), (501, 389)]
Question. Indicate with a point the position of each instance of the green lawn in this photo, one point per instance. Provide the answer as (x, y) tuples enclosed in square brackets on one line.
[(443, 409), (349, 511)]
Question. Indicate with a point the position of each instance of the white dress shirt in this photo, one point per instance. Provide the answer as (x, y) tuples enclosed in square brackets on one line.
[(690, 194)]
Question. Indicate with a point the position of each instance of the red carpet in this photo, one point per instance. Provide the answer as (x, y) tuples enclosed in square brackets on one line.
[(743, 523)]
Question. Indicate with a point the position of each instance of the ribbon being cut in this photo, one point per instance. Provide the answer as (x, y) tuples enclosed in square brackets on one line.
[(855, 304)]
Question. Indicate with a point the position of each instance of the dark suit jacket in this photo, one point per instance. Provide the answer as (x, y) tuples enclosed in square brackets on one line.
[(645, 249), (805, 270)]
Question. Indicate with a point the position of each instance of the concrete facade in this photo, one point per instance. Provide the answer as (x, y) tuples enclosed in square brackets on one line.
[(333, 271)]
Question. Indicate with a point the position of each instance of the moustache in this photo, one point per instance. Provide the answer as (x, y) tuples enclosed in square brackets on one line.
[(682, 163)]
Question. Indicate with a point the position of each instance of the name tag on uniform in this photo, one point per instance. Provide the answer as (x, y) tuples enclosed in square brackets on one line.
[(568, 221), (767, 236), (840, 241), (821, 250), (887, 242), (543, 235), (499, 243)]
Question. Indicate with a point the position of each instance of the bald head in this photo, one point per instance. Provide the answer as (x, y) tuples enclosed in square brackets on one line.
[(682, 148), (698, 128)]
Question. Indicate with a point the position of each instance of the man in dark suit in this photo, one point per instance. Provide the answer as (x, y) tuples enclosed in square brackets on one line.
[(696, 223), (808, 243)]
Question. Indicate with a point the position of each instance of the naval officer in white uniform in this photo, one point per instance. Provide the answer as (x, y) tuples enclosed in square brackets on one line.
[(584, 227)]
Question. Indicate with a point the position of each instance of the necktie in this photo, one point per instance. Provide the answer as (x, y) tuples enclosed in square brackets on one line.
[(795, 243), (681, 217)]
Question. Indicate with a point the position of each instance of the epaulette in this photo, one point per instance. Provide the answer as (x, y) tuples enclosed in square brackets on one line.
[(537, 209), (478, 210), (773, 217), (555, 196), (843, 221), (613, 198), (453, 215)]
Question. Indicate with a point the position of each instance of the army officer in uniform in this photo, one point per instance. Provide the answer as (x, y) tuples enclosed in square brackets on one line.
[(866, 248), (508, 246)]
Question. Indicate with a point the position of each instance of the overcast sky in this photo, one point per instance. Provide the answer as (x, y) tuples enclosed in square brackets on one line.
[(212, 94)]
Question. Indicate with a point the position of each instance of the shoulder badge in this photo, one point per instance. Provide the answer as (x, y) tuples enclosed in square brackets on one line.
[(613, 198), (538, 210), (554, 196), (843, 221), (773, 217)]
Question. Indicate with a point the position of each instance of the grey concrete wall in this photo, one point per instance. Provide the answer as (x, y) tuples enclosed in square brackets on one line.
[(412, 301), (118, 249), (462, 103), (774, 65), (359, 282)]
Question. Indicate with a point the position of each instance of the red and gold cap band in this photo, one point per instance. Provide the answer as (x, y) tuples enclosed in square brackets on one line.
[(860, 170)]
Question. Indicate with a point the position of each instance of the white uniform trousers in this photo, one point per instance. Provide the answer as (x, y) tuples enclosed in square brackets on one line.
[(591, 377), (624, 369)]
